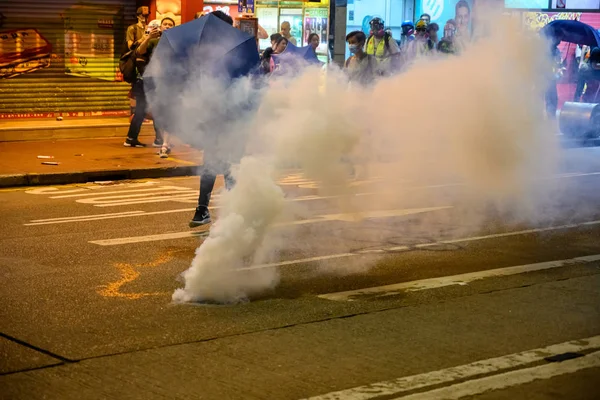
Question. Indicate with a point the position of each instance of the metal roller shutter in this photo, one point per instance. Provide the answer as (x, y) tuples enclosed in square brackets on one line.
[(63, 56)]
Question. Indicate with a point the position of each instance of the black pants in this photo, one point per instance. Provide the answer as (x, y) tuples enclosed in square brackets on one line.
[(552, 100), (207, 181), (141, 109)]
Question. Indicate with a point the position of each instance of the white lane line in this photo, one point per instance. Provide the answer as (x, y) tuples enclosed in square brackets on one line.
[(84, 217), (97, 217), (462, 279), (321, 218), (448, 375), (420, 246), (122, 192), (508, 379)]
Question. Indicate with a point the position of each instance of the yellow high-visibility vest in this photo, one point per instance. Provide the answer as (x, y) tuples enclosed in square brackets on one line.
[(380, 53)]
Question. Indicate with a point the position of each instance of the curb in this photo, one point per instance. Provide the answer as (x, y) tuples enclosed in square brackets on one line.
[(62, 178)]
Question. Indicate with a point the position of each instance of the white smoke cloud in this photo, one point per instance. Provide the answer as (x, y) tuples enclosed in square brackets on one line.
[(475, 119)]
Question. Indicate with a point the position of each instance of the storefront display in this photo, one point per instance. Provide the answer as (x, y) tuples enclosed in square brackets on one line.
[(267, 18)]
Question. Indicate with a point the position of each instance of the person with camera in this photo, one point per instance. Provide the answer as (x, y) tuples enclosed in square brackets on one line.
[(143, 53)]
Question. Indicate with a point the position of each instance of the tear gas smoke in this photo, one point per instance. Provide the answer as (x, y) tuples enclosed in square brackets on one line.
[(475, 118)]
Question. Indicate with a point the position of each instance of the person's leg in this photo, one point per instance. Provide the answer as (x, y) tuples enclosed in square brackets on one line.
[(229, 180), (138, 117), (165, 148), (159, 135), (207, 184), (593, 86), (552, 100)]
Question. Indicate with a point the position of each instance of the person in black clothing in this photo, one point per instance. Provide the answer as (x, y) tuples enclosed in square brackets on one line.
[(215, 162)]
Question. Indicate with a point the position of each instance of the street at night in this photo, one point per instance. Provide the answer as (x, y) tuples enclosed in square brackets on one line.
[(408, 296)]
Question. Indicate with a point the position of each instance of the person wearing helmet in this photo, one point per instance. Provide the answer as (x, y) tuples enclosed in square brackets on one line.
[(381, 45), (422, 45), (408, 31)]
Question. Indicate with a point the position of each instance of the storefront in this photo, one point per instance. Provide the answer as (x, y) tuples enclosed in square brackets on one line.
[(305, 17), (60, 57)]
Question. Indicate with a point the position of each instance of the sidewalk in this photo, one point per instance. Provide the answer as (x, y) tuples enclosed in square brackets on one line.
[(90, 160)]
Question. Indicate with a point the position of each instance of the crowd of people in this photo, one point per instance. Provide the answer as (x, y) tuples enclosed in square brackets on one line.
[(372, 56), (380, 54)]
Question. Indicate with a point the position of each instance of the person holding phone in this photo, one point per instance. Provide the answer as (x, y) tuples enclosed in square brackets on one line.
[(143, 53)]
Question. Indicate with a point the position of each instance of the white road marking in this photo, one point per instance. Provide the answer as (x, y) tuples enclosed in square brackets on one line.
[(509, 379), (462, 279), (492, 365), (321, 218), (132, 192), (83, 217), (420, 246), (98, 217)]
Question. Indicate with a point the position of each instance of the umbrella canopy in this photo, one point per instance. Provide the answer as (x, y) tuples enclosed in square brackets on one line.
[(305, 53), (208, 44), (191, 82), (572, 32), (294, 58)]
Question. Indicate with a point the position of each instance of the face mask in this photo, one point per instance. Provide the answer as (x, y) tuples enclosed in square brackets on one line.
[(354, 48)]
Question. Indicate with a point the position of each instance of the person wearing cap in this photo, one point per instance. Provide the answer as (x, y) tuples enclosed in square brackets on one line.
[(135, 32)]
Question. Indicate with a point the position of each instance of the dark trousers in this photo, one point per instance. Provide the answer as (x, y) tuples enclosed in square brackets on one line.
[(552, 100), (141, 109), (207, 182)]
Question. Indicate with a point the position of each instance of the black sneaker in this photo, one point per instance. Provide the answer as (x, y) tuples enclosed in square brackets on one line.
[(157, 143), (133, 143), (201, 217)]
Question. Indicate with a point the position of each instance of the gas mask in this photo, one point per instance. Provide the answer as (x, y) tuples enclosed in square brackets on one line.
[(377, 27)]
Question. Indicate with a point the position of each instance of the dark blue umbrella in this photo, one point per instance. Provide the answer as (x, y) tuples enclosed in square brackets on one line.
[(305, 53), (208, 44), (572, 32), (294, 58), (192, 76)]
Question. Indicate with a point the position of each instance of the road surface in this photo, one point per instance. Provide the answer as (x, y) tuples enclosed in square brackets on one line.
[(422, 297)]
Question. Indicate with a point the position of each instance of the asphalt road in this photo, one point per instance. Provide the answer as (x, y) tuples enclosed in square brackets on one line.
[(88, 273)]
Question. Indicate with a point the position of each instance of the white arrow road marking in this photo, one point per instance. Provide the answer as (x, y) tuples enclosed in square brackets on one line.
[(322, 218), (496, 365), (462, 279)]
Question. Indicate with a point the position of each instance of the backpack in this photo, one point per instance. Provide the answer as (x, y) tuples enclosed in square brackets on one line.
[(127, 66)]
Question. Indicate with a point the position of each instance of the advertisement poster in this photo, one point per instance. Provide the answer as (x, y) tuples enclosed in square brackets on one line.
[(169, 8), (531, 4), (577, 4), (315, 21), (23, 51), (443, 10), (231, 10)]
